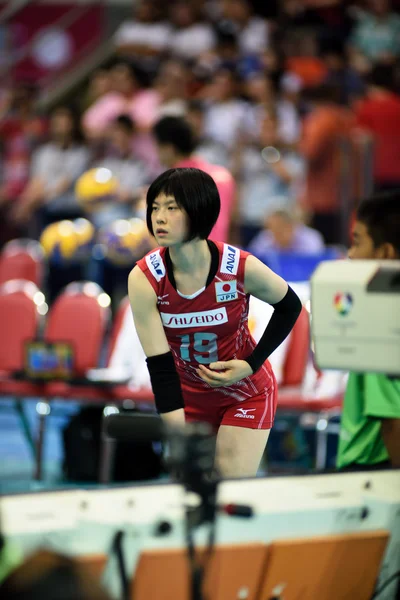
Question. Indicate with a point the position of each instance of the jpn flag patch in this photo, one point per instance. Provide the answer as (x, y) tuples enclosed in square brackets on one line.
[(225, 290)]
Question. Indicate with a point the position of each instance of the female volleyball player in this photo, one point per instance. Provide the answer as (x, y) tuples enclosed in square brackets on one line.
[(190, 301)]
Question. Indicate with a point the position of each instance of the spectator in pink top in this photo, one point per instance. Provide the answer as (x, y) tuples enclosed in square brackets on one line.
[(126, 97), (176, 144)]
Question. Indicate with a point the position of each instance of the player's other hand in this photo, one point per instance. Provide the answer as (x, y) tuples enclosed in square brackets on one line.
[(224, 372)]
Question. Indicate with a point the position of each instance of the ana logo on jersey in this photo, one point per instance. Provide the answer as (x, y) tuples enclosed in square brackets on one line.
[(196, 319), (226, 290), (156, 265), (242, 413), (230, 260)]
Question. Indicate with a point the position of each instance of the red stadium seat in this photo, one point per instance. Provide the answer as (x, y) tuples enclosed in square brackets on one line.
[(294, 369), (21, 303), (21, 308), (117, 325), (22, 259), (298, 352), (79, 316), (106, 392), (291, 395), (64, 326)]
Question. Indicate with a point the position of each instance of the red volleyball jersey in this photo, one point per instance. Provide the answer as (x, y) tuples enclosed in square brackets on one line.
[(210, 325)]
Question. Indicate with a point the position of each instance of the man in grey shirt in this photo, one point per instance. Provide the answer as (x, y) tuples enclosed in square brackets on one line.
[(284, 234)]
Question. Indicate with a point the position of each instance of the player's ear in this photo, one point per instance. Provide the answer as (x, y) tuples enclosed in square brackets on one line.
[(387, 251)]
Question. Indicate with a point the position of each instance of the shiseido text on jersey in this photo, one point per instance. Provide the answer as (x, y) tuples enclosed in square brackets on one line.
[(203, 318)]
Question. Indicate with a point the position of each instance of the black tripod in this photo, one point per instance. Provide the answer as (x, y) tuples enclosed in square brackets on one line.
[(190, 460)]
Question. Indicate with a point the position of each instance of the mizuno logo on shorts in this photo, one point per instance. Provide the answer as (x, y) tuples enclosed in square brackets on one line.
[(230, 260), (156, 265), (195, 319), (242, 413)]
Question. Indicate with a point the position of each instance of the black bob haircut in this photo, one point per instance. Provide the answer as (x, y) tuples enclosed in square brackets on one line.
[(381, 216), (195, 192), (176, 132)]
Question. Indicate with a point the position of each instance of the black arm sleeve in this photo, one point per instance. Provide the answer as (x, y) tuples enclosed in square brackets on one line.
[(165, 382), (280, 325)]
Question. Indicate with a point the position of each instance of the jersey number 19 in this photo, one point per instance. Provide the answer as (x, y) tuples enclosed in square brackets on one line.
[(203, 347)]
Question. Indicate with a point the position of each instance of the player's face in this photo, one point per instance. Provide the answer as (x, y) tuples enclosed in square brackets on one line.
[(170, 222)]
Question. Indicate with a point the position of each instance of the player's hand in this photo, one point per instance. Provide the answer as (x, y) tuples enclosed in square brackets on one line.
[(224, 372)]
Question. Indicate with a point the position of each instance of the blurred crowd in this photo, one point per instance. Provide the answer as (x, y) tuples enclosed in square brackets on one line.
[(277, 93)]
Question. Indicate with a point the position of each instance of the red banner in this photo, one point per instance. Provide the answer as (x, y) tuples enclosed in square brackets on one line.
[(47, 39)]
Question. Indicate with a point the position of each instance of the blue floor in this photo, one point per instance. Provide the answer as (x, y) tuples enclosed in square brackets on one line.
[(290, 448), (16, 456)]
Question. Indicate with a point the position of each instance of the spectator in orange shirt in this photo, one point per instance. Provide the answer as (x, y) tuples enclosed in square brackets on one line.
[(304, 60), (324, 128), (379, 113)]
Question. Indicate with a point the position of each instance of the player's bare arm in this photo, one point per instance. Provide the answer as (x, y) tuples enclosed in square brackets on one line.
[(149, 326), (147, 319), (261, 282), (265, 285)]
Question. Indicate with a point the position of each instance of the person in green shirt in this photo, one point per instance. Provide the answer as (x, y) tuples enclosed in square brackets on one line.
[(10, 557), (370, 424)]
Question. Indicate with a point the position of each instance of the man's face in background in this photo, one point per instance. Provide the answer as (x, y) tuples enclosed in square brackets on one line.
[(282, 230), (363, 246)]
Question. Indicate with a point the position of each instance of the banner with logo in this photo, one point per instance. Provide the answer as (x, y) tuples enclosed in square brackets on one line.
[(46, 39)]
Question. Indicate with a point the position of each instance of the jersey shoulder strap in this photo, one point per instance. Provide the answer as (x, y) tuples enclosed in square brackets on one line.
[(153, 266), (155, 262), (230, 261)]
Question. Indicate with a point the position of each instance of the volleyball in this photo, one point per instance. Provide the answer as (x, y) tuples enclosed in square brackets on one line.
[(67, 241), (125, 241), (95, 187)]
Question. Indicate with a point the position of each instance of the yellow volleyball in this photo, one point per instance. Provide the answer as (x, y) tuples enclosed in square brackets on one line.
[(95, 187), (67, 241), (125, 241)]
